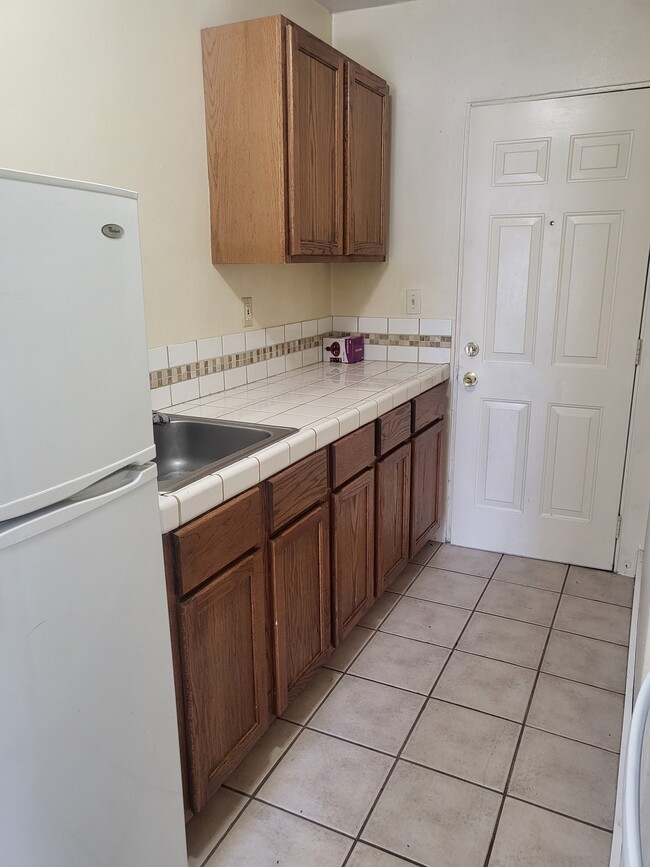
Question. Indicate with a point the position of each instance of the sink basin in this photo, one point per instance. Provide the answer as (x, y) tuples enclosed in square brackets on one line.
[(189, 448)]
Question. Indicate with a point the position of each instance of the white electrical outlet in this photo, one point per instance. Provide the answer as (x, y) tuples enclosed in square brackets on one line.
[(413, 301), (248, 312)]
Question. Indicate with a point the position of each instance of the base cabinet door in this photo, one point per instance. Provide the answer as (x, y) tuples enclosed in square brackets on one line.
[(393, 500), (425, 485), (222, 638), (353, 552), (300, 581)]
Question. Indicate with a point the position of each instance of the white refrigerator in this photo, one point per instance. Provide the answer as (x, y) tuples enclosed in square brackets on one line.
[(89, 757)]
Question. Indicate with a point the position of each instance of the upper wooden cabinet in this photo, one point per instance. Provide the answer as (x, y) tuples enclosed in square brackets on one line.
[(366, 162), (297, 147)]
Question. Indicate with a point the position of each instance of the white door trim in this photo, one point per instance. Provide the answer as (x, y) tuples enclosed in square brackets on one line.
[(626, 551)]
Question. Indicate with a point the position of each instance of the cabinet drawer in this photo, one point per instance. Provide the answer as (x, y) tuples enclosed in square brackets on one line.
[(429, 406), (293, 491), (215, 540), (352, 454), (393, 428)]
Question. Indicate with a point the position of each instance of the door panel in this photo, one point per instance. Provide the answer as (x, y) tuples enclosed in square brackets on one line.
[(571, 461), (223, 657), (300, 578), (315, 91), (503, 442), (556, 249), (367, 162), (589, 263), (513, 283)]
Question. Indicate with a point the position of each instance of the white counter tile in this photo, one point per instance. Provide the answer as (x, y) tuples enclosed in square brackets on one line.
[(384, 401), (367, 411), (293, 331), (239, 476), (277, 365), (182, 353), (158, 359), (375, 353), (323, 401), (301, 444), (348, 421), (187, 390), (234, 377), (402, 353), (326, 430), (209, 347), (273, 459), (373, 325), (161, 397), (170, 516), (211, 383), (199, 496)]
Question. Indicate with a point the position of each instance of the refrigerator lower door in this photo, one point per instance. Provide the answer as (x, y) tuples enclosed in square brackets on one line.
[(76, 403), (89, 757)]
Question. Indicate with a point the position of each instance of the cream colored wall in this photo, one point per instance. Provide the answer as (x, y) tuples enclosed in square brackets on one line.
[(112, 92), (438, 55)]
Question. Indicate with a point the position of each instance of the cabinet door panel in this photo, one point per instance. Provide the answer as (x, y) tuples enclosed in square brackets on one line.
[(393, 498), (353, 552), (425, 485), (366, 162), (315, 87), (300, 578), (222, 635)]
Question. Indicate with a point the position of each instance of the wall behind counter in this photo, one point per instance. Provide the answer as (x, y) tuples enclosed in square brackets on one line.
[(438, 56), (113, 93)]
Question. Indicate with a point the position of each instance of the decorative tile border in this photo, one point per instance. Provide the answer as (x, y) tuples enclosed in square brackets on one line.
[(260, 346), (195, 369)]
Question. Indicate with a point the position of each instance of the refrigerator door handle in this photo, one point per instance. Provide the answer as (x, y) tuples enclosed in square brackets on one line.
[(116, 485), (632, 852)]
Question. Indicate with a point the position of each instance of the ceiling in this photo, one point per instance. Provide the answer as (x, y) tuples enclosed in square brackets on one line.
[(347, 5)]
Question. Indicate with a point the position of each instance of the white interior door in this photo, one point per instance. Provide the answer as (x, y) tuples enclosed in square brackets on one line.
[(557, 231)]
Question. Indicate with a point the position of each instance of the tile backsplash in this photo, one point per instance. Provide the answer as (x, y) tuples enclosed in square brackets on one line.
[(186, 371)]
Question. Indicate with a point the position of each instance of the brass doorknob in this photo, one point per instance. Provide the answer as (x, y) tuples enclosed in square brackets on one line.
[(470, 379)]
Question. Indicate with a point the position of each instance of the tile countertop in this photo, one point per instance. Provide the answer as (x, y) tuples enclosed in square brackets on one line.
[(324, 401)]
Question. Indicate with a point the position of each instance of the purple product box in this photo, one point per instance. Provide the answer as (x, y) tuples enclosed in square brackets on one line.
[(343, 350)]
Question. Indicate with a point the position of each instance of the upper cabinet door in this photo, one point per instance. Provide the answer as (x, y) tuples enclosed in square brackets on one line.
[(315, 92), (367, 162)]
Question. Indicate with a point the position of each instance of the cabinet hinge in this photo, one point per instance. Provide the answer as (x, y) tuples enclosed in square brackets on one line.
[(639, 347), (618, 527)]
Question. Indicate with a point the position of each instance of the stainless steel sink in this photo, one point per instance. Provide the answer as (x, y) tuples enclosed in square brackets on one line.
[(188, 448)]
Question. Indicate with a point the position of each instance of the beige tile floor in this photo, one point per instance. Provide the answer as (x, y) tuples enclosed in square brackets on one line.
[(472, 719)]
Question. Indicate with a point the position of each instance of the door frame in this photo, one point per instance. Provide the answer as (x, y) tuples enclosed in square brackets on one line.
[(630, 540)]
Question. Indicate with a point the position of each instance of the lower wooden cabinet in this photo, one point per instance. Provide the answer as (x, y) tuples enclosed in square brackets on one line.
[(300, 582), (425, 485), (353, 553), (392, 515), (253, 604), (224, 673)]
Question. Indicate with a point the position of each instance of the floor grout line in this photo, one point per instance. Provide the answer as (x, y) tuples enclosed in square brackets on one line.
[(523, 729), (415, 722), (426, 699)]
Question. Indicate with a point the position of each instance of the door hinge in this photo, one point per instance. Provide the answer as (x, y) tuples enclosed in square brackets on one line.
[(639, 347), (618, 527)]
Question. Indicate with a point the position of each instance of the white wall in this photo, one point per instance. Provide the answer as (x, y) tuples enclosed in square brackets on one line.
[(437, 56), (112, 92)]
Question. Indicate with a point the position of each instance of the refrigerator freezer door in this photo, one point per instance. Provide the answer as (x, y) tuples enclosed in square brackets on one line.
[(72, 341), (89, 757)]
